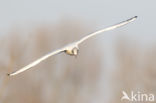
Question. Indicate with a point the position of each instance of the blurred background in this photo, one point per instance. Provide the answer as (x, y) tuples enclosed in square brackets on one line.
[(116, 61)]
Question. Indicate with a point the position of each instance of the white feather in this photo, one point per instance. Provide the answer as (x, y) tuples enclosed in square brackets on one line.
[(36, 62), (107, 29)]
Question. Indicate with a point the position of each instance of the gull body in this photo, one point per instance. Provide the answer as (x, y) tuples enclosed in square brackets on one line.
[(73, 48)]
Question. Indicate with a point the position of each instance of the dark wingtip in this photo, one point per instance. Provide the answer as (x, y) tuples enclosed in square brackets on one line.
[(132, 19), (135, 16), (8, 74)]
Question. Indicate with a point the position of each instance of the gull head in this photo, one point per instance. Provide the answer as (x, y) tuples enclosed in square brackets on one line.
[(72, 49)]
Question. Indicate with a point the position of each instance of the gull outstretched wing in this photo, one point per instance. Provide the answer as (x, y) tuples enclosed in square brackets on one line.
[(107, 29), (36, 62)]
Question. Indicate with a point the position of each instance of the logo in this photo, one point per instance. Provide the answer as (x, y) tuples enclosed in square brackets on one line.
[(137, 96)]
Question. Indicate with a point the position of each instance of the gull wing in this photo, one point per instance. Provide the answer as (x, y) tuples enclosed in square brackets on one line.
[(36, 62), (107, 29)]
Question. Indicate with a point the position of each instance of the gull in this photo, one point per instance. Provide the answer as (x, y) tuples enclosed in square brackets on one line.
[(73, 48)]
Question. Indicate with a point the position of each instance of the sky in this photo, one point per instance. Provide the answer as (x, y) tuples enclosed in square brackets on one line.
[(100, 12)]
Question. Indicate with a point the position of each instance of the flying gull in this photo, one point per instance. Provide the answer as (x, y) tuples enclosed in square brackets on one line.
[(73, 48)]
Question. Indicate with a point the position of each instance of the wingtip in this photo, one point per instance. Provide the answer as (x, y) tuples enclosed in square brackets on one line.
[(135, 16), (8, 74), (132, 19)]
